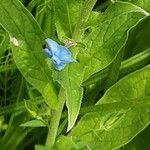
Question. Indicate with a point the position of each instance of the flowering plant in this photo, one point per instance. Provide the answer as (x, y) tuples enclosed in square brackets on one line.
[(74, 74)]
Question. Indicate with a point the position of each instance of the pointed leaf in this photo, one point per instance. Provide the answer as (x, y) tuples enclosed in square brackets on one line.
[(33, 124), (106, 40), (26, 38), (102, 46), (133, 86), (113, 125), (71, 78), (124, 114)]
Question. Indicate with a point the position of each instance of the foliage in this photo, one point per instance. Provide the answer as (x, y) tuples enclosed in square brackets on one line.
[(100, 101)]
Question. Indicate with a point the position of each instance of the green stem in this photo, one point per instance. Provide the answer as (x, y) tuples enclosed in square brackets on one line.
[(56, 115), (137, 61)]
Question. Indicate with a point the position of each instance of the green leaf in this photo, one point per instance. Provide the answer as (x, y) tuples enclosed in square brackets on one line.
[(20, 106), (138, 38), (83, 17), (135, 85), (141, 141), (71, 15), (127, 66), (65, 143), (106, 40), (32, 4), (72, 76), (123, 113), (31, 108), (145, 4), (14, 135), (117, 40), (41, 147), (27, 38), (4, 43), (66, 14), (102, 46), (113, 125), (33, 124), (45, 17), (70, 79)]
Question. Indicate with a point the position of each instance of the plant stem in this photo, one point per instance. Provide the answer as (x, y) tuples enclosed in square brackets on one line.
[(56, 115)]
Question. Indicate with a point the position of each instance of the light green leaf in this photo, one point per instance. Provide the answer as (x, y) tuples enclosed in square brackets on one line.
[(72, 76), (27, 38), (66, 14), (133, 86), (102, 46), (71, 15), (123, 113), (106, 40), (31, 108), (33, 124), (65, 143), (127, 66), (70, 79), (45, 17), (41, 147), (145, 4), (113, 125)]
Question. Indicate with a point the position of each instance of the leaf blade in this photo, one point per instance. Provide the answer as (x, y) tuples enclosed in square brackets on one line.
[(27, 38), (121, 115)]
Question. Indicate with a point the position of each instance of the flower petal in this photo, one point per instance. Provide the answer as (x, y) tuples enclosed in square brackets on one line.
[(47, 52), (59, 67), (56, 60), (65, 55), (60, 55), (52, 45)]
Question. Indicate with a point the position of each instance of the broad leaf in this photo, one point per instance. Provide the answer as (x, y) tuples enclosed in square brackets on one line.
[(135, 85), (45, 16), (145, 4), (65, 143), (113, 125), (27, 38), (66, 12), (141, 141), (72, 77), (138, 38), (107, 39), (124, 114), (101, 47)]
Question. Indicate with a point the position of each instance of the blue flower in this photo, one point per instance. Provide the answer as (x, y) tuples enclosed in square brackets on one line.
[(60, 55)]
